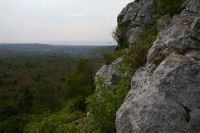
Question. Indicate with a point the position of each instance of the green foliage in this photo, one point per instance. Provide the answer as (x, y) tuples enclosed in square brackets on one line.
[(14, 124), (60, 122), (108, 58), (76, 85), (47, 97), (119, 34), (170, 7), (80, 81), (149, 34), (79, 85), (101, 108), (8, 105), (70, 128), (137, 54), (75, 104), (119, 53), (34, 102), (103, 104), (25, 100), (55, 123)]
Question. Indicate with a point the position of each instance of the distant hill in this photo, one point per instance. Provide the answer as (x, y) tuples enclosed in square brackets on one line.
[(9, 50)]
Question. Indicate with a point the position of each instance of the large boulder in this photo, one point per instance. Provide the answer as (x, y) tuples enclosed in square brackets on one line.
[(110, 73), (165, 93)]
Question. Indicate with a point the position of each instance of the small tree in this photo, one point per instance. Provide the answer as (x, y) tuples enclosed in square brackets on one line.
[(119, 34), (108, 58), (102, 109)]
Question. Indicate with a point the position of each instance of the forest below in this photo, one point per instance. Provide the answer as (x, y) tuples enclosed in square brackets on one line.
[(41, 90)]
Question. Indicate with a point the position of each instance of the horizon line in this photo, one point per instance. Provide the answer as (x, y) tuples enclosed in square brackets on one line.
[(77, 43)]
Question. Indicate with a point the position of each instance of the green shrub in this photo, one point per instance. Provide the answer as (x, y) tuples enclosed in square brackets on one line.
[(47, 97), (108, 58), (76, 104), (55, 123), (14, 124), (72, 128), (103, 105), (79, 82), (119, 53), (170, 7), (137, 54), (77, 85), (119, 34)]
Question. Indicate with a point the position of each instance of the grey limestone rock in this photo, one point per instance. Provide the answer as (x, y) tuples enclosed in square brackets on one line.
[(136, 13), (166, 100), (183, 33), (133, 16), (110, 73), (165, 97)]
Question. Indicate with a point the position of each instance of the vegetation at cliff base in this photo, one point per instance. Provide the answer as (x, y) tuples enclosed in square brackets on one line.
[(44, 94), (103, 105), (108, 58)]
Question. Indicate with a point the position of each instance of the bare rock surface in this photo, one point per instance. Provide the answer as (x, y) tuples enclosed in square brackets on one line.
[(110, 73), (133, 16), (165, 96), (165, 100)]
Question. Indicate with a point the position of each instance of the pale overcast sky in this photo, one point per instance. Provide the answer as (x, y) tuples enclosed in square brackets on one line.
[(52, 21)]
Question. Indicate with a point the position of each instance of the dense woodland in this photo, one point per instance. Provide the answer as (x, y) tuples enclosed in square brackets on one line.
[(34, 87)]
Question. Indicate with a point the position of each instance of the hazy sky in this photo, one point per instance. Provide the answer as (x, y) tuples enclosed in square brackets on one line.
[(58, 20)]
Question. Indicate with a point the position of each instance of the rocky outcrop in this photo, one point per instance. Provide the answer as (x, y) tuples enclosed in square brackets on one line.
[(165, 93), (110, 73), (133, 16), (164, 101)]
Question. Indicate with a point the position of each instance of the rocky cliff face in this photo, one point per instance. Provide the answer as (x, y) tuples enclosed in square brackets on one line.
[(165, 93), (133, 16)]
